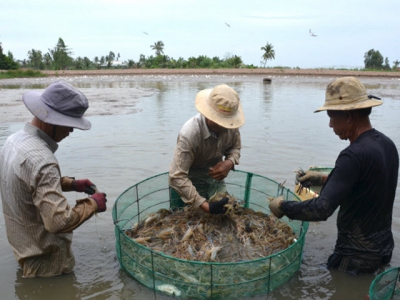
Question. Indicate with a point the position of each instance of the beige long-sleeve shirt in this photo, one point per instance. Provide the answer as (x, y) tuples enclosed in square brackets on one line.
[(39, 221), (197, 149)]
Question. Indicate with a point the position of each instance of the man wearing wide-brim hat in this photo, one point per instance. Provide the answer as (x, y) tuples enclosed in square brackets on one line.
[(38, 218), (362, 184), (208, 147)]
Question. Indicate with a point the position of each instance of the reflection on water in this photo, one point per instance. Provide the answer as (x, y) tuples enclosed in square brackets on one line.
[(281, 133), (28, 86)]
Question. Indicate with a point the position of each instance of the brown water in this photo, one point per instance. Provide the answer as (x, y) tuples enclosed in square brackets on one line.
[(130, 143)]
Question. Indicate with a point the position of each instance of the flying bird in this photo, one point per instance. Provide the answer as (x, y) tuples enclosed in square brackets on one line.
[(145, 33), (312, 33), (227, 25)]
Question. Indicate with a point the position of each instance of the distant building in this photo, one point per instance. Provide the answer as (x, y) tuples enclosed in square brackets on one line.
[(116, 64)]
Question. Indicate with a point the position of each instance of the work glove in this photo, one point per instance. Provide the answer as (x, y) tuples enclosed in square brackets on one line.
[(83, 185), (101, 200), (315, 178), (275, 206), (217, 207)]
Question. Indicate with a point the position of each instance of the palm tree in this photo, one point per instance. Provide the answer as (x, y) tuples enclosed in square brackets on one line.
[(269, 52), (35, 59), (158, 47), (48, 61)]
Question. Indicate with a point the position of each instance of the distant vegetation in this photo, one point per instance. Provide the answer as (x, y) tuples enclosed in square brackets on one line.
[(374, 60), (60, 58), (21, 73), (269, 52)]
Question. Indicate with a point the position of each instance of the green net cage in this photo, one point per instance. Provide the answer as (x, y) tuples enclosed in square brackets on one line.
[(386, 285), (186, 279)]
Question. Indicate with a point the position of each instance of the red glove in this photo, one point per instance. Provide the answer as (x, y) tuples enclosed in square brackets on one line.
[(83, 185), (101, 200)]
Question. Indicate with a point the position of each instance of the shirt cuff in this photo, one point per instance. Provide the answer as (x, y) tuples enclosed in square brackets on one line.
[(233, 162), (66, 183)]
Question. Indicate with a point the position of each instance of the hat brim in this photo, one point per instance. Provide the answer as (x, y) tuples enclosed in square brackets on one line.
[(48, 115), (232, 122), (351, 106)]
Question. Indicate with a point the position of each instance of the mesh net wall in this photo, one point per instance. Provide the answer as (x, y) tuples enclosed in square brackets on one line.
[(386, 285), (204, 280)]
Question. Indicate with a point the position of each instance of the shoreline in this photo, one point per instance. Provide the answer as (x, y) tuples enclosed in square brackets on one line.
[(257, 72), (118, 90)]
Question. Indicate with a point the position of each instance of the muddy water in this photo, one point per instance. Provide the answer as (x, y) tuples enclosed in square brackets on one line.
[(133, 141)]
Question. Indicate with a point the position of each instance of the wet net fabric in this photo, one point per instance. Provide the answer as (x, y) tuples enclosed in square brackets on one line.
[(204, 280)]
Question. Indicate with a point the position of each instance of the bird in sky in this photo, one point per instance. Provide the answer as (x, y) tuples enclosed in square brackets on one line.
[(312, 33), (145, 33), (227, 25)]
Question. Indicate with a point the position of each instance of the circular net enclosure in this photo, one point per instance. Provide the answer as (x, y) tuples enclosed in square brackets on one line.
[(386, 285), (189, 279)]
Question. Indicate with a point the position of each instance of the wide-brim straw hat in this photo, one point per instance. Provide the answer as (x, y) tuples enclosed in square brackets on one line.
[(221, 105), (60, 104), (347, 93)]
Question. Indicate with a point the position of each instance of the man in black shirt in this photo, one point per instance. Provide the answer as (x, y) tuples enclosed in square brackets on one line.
[(363, 183)]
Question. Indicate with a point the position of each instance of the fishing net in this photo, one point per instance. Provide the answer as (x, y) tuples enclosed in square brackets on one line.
[(196, 279), (386, 285)]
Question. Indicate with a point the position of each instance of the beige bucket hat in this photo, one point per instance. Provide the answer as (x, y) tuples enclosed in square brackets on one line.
[(347, 93), (221, 105)]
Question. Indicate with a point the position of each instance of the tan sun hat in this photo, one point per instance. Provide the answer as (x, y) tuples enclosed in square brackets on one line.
[(221, 105), (347, 93)]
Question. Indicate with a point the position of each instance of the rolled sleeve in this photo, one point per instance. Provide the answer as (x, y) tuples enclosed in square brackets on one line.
[(178, 174), (57, 215)]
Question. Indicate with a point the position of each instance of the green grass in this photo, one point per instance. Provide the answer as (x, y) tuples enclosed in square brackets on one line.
[(21, 74)]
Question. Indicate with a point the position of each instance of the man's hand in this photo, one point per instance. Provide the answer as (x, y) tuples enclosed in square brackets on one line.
[(221, 169), (217, 207), (83, 185), (275, 206), (101, 200), (315, 178)]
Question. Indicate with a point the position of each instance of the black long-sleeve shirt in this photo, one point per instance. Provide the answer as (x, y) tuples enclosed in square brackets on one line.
[(363, 184)]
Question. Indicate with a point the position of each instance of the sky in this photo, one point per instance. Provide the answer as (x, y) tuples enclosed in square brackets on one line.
[(345, 29)]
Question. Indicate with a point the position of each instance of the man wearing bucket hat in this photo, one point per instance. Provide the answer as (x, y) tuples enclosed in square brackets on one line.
[(38, 218), (208, 147), (362, 184)]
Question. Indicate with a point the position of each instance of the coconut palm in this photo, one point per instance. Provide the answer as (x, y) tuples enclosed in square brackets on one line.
[(269, 52), (158, 47)]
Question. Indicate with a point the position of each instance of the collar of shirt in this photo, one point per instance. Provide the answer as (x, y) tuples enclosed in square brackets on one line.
[(206, 132), (213, 134), (33, 130)]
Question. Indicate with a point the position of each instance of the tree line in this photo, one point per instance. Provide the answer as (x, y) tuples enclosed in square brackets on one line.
[(60, 58), (374, 60)]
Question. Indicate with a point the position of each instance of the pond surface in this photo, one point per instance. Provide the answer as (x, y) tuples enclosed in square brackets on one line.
[(131, 142)]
